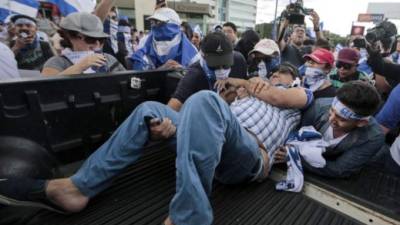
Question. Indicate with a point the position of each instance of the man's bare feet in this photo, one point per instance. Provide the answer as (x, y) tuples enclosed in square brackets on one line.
[(168, 221), (65, 194)]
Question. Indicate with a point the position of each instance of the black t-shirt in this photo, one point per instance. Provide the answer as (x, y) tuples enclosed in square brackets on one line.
[(195, 79), (328, 92), (292, 55), (34, 59)]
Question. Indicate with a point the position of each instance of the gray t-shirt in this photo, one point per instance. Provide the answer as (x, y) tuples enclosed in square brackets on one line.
[(62, 63), (8, 64)]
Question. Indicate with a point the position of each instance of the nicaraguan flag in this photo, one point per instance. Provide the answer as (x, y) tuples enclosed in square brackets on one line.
[(25, 7), (69, 6)]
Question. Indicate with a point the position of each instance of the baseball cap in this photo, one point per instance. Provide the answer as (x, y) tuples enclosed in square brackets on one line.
[(84, 23), (348, 55), (217, 50), (321, 56), (167, 15), (266, 47)]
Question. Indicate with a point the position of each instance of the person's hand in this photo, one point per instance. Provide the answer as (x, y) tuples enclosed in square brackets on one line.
[(315, 19), (221, 84), (161, 130), (280, 155), (242, 93), (97, 60), (228, 94), (171, 64), (257, 85)]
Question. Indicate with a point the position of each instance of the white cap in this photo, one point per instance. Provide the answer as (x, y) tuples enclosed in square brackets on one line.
[(167, 15), (266, 47)]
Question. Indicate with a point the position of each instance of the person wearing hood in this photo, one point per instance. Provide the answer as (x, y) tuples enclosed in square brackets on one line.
[(30, 52), (316, 69), (166, 47), (264, 58), (83, 33), (249, 39), (197, 36)]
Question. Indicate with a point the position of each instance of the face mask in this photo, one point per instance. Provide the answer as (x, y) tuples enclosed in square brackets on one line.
[(314, 78), (262, 69), (222, 74), (165, 32)]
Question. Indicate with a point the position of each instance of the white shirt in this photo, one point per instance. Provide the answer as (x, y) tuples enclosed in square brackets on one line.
[(395, 151), (328, 137), (8, 64)]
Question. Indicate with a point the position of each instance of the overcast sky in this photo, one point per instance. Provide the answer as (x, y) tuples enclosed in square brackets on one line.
[(337, 15)]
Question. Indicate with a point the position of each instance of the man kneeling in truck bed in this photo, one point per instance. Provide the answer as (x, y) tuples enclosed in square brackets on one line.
[(213, 140)]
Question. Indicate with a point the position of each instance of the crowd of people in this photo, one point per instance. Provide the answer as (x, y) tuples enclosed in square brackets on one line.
[(243, 105)]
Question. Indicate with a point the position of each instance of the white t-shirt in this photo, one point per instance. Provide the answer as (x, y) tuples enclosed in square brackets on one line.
[(8, 64), (328, 137), (395, 150)]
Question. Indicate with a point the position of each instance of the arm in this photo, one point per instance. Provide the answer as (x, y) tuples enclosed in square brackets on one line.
[(350, 162), (284, 98), (379, 66), (389, 116), (281, 35), (315, 20), (175, 104), (103, 8)]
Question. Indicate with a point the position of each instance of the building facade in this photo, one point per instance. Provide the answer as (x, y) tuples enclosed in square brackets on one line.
[(240, 12)]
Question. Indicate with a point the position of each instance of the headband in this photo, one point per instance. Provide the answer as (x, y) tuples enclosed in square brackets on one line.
[(346, 113), (24, 21)]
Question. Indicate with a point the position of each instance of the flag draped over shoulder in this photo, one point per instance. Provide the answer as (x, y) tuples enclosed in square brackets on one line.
[(69, 6), (25, 7)]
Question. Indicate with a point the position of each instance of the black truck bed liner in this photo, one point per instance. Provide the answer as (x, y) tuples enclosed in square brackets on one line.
[(141, 195)]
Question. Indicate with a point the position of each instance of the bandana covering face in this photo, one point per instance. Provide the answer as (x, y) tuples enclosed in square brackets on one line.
[(212, 76), (314, 78), (165, 32), (76, 57), (345, 112)]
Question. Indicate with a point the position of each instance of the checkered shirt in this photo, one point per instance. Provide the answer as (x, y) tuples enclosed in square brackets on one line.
[(270, 124)]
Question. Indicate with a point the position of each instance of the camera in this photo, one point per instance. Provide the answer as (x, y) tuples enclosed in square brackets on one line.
[(359, 43), (295, 12), (384, 32)]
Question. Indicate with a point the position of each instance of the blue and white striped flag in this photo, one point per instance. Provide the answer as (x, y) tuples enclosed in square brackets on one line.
[(25, 7), (69, 6)]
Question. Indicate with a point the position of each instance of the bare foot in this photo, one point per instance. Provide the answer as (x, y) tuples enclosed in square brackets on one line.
[(168, 221), (65, 194)]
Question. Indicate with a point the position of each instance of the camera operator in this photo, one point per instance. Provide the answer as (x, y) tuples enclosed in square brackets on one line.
[(380, 40), (293, 49)]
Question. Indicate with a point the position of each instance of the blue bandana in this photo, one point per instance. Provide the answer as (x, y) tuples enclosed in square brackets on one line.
[(165, 32), (346, 113)]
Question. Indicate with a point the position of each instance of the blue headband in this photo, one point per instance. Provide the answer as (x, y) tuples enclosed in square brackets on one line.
[(346, 113)]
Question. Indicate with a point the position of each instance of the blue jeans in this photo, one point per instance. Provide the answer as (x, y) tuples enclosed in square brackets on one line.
[(122, 149), (210, 143)]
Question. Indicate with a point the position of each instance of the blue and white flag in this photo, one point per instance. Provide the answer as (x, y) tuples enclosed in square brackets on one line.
[(25, 7), (69, 6)]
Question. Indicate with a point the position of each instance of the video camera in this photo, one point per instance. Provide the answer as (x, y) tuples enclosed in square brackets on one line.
[(385, 31), (295, 12)]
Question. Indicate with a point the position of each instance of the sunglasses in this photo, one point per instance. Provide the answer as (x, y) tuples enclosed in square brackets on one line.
[(92, 40), (345, 66)]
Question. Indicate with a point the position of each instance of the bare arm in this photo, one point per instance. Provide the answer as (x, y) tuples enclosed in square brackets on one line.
[(315, 19), (284, 98), (175, 104), (103, 8), (72, 70), (282, 29)]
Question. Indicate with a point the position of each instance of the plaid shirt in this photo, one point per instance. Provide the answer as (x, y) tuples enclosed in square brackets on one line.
[(270, 124)]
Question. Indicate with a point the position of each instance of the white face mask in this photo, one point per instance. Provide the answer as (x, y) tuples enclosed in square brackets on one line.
[(222, 74), (262, 70)]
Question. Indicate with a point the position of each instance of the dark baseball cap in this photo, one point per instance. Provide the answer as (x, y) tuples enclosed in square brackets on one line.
[(348, 55), (217, 50)]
